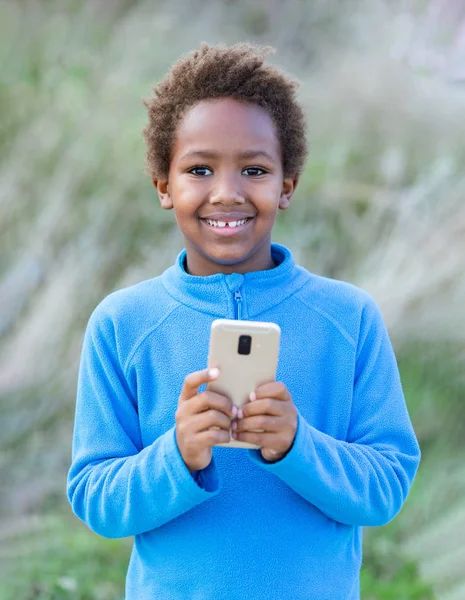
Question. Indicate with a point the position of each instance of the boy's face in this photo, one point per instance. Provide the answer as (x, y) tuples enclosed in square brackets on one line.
[(226, 168)]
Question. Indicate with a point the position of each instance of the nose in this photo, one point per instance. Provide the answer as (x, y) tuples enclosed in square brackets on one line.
[(227, 191)]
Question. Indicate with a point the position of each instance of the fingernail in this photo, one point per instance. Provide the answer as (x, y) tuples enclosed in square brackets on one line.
[(213, 373), (234, 425), (240, 414), (234, 411), (252, 396), (233, 434)]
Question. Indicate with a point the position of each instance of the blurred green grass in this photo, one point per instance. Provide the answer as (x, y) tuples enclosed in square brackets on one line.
[(79, 565)]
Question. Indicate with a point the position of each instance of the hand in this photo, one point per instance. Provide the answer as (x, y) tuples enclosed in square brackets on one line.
[(273, 412), (195, 414)]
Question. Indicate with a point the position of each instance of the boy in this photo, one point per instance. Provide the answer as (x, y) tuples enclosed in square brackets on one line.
[(225, 147)]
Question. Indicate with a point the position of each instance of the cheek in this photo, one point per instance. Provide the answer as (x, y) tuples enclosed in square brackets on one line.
[(188, 189), (269, 201), (268, 195), (185, 200)]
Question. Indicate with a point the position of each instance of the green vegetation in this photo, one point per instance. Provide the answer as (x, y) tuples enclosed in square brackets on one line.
[(65, 561), (62, 560), (404, 583)]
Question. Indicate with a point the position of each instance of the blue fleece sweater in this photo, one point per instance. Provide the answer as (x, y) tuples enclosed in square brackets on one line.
[(242, 527)]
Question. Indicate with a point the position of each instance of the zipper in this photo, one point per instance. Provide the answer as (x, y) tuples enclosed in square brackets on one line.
[(238, 299)]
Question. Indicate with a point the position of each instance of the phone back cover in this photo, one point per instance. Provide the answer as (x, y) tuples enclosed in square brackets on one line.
[(240, 374)]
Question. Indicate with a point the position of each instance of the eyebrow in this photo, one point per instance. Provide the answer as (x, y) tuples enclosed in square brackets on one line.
[(213, 154)]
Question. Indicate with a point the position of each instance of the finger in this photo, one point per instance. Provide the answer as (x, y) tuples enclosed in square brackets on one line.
[(194, 380), (261, 423), (211, 418), (266, 406), (213, 436), (268, 440), (212, 400), (272, 389)]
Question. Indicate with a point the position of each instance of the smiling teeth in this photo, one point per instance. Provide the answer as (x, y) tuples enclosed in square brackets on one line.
[(223, 223)]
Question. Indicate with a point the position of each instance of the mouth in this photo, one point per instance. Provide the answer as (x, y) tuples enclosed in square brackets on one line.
[(227, 228)]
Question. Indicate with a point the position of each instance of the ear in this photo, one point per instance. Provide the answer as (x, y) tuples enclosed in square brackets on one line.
[(289, 185), (163, 190)]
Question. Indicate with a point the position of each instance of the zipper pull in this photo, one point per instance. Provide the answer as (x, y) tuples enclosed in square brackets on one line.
[(238, 299)]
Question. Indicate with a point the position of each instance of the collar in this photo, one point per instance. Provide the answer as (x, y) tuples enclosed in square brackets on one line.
[(259, 290)]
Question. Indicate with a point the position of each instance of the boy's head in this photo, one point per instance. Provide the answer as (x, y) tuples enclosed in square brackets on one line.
[(226, 141)]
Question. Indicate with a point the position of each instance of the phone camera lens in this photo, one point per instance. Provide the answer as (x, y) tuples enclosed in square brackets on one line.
[(245, 342)]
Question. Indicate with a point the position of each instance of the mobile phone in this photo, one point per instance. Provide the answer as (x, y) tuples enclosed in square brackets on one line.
[(246, 353)]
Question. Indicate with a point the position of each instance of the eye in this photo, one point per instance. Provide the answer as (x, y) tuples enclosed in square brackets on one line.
[(200, 171), (254, 171)]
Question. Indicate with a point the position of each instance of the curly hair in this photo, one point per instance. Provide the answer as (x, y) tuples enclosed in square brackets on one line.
[(224, 71)]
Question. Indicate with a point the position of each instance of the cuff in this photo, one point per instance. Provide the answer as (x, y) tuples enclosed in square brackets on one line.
[(207, 478), (206, 483)]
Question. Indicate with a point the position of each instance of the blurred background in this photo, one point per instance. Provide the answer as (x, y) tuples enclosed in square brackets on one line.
[(381, 204)]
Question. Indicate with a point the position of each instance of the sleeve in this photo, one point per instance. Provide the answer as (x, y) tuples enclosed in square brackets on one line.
[(115, 486), (365, 479)]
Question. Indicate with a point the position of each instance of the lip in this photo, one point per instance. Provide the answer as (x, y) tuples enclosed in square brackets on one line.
[(228, 217), (227, 231)]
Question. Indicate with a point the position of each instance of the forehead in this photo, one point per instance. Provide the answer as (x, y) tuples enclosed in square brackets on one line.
[(226, 126)]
